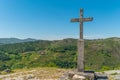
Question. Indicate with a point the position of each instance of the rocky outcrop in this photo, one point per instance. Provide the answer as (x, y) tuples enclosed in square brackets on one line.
[(77, 76)]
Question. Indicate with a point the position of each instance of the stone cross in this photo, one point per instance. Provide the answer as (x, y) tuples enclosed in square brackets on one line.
[(80, 60)]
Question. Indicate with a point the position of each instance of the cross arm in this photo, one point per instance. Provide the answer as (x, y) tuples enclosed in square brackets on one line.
[(87, 19), (75, 20), (81, 19)]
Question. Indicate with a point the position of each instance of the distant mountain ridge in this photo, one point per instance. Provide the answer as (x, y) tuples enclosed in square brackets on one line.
[(14, 40)]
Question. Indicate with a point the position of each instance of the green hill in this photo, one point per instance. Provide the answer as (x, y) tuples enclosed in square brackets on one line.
[(100, 54)]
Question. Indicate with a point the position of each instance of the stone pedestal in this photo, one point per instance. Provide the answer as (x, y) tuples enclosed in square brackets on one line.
[(80, 60)]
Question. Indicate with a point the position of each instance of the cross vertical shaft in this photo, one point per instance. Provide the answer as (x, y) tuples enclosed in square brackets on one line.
[(81, 24), (80, 59)]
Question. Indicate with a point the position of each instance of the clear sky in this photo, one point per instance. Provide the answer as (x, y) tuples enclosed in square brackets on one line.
[(50, 19)]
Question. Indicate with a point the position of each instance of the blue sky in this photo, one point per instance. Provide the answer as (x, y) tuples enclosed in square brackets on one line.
[(50, 19)]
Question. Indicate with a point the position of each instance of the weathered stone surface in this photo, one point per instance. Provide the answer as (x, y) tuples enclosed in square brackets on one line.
[(7, 70), (64, 77), (77, 76), (30, 76)]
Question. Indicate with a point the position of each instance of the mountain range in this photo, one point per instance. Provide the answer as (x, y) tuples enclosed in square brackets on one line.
[(14, 40)]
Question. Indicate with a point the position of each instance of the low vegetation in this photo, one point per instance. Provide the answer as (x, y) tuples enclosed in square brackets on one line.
[(100, 55)]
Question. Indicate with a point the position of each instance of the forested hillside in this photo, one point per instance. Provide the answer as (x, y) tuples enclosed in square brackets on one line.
[(100, 54)]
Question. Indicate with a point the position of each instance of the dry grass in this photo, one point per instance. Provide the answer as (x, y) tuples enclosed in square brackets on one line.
[(35, 74)]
